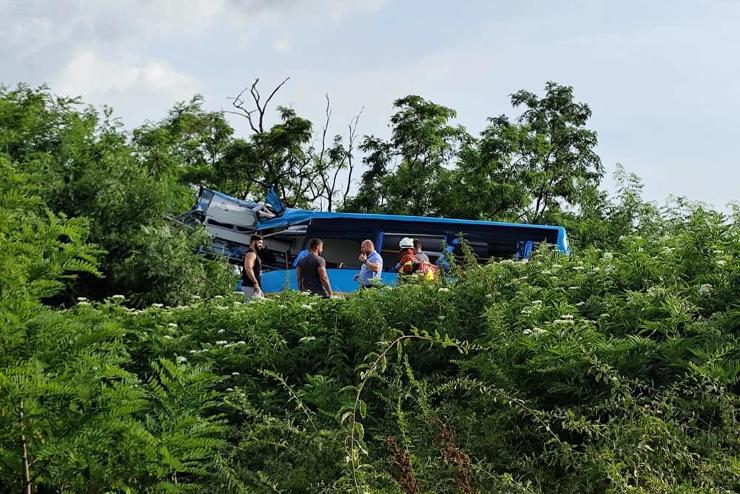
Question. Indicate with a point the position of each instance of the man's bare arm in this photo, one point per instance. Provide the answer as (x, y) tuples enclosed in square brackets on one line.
[(325, 280)]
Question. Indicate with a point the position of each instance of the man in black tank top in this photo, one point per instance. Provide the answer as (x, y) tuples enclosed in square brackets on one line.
[(252, 269)]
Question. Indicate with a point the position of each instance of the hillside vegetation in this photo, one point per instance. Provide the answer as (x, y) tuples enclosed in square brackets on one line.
[(122, 369)]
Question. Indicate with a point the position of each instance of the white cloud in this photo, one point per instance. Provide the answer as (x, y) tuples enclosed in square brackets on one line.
[(154, 85), (88, 74), (39, 24)]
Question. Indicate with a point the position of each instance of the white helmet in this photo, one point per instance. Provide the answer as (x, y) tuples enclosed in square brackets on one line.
[(406, 243)]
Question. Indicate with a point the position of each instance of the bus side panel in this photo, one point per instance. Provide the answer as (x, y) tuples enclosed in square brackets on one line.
[(342, 280)]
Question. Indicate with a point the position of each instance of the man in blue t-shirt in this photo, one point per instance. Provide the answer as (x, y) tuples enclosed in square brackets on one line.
[(372, 265)]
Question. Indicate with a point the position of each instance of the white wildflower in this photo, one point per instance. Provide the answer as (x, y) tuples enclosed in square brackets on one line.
[(705, 289), (168, 337), (229, 390), (196, 297), (241, 342), (306, 339), (441, 318), (546, 271), (443, 290), (221, 342), (721, 262), (580, 304), (563, 321), (171, 325), (181, 359), (574, 287), (536, 302), (304, 293), (608, 256), (181, 307), (282, 306), (118, 297), (527, 331), (82, 299), (306, 306), (566, 317), (158, 306), (193, 352), (488, 295), (218, 297), (577, 268), (234, 373), (221, 331), (83, 303)]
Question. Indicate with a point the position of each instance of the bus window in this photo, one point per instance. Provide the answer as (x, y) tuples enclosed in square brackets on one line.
[(341, 252), (430, 244)]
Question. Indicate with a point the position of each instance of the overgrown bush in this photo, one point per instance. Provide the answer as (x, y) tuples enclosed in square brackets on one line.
[(611, 371), (84, 165)]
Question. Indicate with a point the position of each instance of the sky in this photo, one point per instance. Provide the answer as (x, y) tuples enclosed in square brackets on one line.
[(660, 76)]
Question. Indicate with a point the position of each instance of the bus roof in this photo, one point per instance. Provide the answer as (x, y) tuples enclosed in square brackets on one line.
[(291, 217)]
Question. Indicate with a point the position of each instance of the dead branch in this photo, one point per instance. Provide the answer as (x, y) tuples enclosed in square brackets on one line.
[(350, 152), (255, 116)]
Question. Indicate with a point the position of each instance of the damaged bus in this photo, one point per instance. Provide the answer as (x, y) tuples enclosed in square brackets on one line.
[(286, 231)]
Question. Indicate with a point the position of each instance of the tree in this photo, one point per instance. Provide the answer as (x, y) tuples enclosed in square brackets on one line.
[(556, 150), (125, 190), (285, 156), (487, 181), (403, 171), (190, 142)]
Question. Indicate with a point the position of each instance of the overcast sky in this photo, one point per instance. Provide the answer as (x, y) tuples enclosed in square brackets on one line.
[(660, 76)]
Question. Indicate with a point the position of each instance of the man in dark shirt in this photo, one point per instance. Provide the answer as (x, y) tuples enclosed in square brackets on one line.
[(311, 271), (252, 269)]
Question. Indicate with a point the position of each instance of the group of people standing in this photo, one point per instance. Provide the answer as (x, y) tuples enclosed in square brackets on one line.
[(311, 268)]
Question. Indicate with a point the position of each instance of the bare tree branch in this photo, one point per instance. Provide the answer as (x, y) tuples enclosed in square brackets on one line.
[(350, 152), (256, 122), (267, 101)]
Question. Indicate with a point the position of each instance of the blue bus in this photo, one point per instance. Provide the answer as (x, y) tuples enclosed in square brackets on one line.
[(231, 222)]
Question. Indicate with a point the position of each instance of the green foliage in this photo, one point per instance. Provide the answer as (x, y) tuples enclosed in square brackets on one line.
[(542, 164), (159, 267), (556, 149), (402, 172), (614, 370), (83, 166)]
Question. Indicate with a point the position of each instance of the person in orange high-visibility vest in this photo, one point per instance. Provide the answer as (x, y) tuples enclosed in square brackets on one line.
[(409, 264)]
